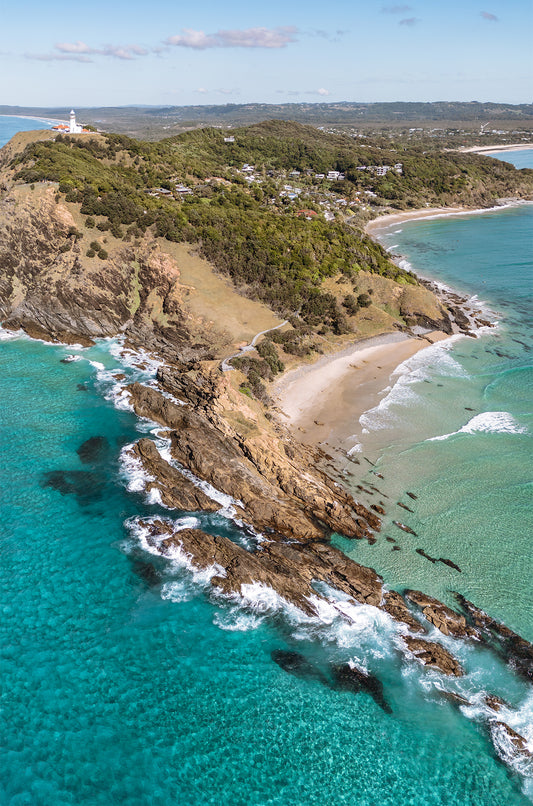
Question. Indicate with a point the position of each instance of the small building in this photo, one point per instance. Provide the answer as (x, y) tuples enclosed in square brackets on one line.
[(229, 139)]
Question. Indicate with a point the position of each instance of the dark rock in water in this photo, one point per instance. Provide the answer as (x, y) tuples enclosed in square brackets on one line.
[(468, 408), (369, 462), (432, 654), (86, 486), (296, 664), (390, 539), (448, 621), (82, 387), (350, 678), (379, 475), (377, 508), (512, 647), (412, 495), (395, 605), (68, 359), (93, 450), (405, 528), (396, 548), (508, 742), (423, 554), (524, 345), (495, 703), (146, 572), (450, 563), (454, 698), (404, 506)]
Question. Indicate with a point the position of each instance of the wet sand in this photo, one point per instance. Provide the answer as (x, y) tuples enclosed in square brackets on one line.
[(322, 402), (397, 218)]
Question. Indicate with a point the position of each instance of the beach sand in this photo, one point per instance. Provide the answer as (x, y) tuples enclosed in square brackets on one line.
[(397, 218), (322, 402)]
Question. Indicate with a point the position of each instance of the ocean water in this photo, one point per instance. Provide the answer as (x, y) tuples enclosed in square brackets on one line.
[(123, 682), (520, 158), (10, 125)]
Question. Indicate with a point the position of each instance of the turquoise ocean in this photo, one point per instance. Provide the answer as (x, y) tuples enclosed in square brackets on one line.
[(122, 682)]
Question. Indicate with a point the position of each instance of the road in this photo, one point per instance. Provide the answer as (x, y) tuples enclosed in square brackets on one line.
[(225, 366)]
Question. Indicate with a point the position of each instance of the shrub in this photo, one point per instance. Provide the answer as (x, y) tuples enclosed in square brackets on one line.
[(350, 303)]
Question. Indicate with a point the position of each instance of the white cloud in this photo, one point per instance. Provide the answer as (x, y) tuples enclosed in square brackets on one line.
[(126, 52), (395, 9), (322, 91), (410, 21), (81, 52), (488, 16), (59, 57), (247, 38)]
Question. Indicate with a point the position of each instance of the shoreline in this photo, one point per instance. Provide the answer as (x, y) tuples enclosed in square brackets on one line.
[(30, 117), (390, 219), (496, 149), (347, 383), (321, 403)]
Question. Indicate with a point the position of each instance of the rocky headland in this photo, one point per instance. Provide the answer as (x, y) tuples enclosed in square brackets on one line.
[(219, 434)]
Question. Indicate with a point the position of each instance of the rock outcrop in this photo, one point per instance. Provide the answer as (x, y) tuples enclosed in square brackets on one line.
[(273, 481), (176, 491), (434, 655), (448, 621), (512, 647)]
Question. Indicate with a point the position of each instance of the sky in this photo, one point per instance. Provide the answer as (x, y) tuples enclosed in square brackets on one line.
[(116, 53)]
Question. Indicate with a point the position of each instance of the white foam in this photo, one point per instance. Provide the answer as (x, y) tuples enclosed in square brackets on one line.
[(9, 335), (432, 360), (131, 468), (490, 422)]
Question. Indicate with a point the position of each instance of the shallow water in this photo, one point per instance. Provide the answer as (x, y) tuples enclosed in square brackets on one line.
[(123, 682)]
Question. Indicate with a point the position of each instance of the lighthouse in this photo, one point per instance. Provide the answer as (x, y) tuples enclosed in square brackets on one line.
[(74, 128)]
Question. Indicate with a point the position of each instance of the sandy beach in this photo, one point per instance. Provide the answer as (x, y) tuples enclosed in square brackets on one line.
[(496, 149), (412, 215), (322, 402)]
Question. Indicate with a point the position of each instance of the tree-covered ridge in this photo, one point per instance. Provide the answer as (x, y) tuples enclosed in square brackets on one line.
[(249, 227)]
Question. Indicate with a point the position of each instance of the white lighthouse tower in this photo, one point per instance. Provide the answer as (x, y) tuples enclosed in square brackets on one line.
[(74, 128)]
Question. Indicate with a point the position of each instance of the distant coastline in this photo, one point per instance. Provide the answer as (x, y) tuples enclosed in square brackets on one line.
[(30, 117), (497, 149)]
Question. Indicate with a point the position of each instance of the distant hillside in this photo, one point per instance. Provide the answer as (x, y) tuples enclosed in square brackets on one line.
[(153, 121)]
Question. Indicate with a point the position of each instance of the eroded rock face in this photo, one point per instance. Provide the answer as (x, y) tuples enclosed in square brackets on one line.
[(176, 491), (52, 290), (512, 647), (395, 606), (280, 491), (289, 568), (434, 655), (448, 621)]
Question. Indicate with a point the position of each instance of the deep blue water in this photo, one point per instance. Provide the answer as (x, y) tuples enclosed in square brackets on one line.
[(123, 683)]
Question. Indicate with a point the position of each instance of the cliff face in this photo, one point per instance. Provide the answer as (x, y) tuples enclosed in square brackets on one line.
[(50, 288)]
